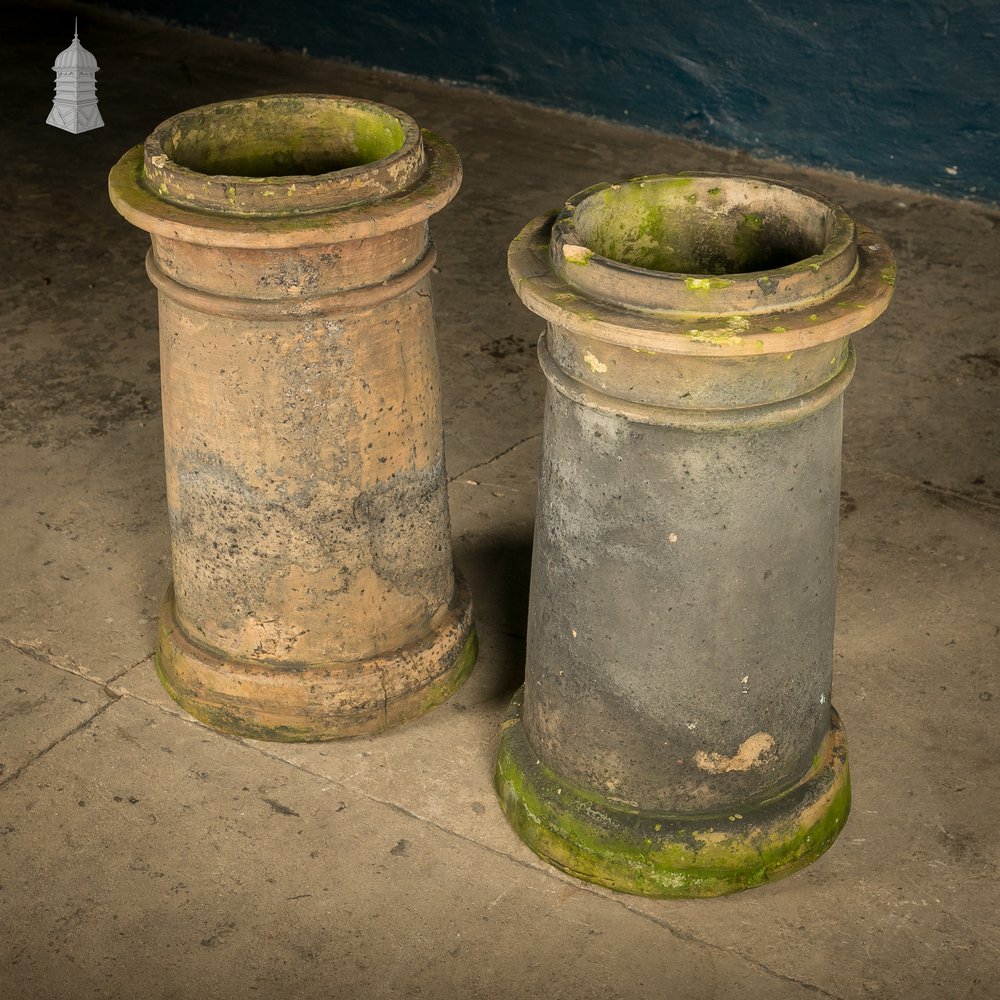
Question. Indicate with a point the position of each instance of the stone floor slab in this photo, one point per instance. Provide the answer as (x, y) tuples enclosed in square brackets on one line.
[(85, 548), (40, 705), (203, 866), (150, 855)]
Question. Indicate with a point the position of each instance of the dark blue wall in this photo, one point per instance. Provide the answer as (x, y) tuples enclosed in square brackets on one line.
[(905, 91)]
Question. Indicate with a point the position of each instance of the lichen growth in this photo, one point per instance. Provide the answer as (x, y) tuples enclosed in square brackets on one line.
[(575, 254), (706, 284), (718, 337), (281, 137), (664, 855), (663, 224)]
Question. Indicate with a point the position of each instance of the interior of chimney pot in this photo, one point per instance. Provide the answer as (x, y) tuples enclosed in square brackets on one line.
[(709, 226), (275, 140)]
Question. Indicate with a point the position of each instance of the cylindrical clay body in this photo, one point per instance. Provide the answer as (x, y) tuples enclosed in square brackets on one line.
[(676, 580), (313, 590), (675, 735)]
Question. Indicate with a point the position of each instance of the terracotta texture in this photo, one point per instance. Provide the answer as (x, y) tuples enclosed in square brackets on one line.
[(314, 594), (680, 632)]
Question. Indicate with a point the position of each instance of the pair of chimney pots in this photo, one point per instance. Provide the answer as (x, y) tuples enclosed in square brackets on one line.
[(674, 735)]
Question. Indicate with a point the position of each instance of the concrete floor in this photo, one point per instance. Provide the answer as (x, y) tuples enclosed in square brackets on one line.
[(146, 856)]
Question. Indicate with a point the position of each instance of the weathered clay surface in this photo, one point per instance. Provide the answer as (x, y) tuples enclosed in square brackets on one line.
[(301, 412), (680, 631), (320, 528), (682, 598), (904, 905)]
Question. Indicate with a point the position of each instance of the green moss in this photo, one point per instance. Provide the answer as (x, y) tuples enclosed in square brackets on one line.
[(282, 137), (888, 274), (664, 224), (655, 854), (227, 719), (706, 284), (674, 182), (654, 223), (443, 687), (718, 337), (580, 256), (131, 189)]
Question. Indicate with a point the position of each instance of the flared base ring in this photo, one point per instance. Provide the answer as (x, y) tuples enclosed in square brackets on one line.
[(324, 701), (666, 855)]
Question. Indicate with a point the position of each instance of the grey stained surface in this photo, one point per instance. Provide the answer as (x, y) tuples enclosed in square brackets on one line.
[(144, 855)]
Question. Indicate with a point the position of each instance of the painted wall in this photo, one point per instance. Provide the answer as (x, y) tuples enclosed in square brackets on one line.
[(904, 91)]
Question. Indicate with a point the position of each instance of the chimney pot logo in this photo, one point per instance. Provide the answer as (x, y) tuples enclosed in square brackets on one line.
[(75, 106)]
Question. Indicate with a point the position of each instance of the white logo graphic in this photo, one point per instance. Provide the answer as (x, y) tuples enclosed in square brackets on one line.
[(75, 106)]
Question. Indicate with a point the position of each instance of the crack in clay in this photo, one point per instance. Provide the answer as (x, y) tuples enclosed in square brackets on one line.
[(385, 698)]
